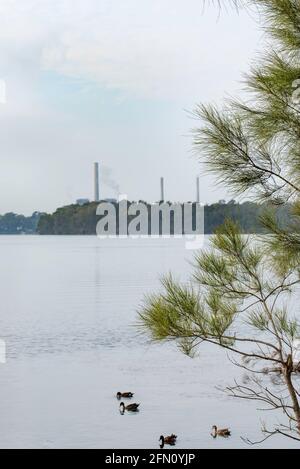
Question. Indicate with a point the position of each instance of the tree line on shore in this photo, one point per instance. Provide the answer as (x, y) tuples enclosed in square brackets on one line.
[(12, 224), (82, 220)]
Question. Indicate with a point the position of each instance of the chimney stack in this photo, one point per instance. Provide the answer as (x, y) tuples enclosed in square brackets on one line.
[(198, 189), (96, 182), (162, 189)]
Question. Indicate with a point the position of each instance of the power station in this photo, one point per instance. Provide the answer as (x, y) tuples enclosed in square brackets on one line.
[(84, 201)]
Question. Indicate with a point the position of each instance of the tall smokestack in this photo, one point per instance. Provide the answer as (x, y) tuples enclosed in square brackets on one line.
[(198, 189), (162, 189), (96, 182)]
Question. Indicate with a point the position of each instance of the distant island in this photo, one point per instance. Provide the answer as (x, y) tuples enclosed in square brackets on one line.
[(80, 219)]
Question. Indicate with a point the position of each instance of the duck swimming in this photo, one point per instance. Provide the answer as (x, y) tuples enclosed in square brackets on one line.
[(125, 395), (220, 432), (129, 407), (167, 440)]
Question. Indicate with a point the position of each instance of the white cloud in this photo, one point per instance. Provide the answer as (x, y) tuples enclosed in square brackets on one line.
[(146, 48), (151, 48)]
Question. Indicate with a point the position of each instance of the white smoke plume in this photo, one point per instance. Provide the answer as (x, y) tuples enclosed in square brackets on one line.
[(106, 178)]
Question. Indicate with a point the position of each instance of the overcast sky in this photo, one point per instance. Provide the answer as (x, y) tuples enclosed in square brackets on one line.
[(111, 81)]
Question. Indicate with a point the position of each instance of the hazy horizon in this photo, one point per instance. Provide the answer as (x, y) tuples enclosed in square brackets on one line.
[(104, 81)]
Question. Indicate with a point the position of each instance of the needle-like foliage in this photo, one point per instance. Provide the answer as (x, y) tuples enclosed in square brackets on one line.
[(254, 147), (235, 302), (238, 297)]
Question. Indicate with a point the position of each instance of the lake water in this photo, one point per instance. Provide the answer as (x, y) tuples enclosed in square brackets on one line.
[(68, 313)]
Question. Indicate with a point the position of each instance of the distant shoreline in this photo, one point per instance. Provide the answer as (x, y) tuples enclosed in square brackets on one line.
[(81, 220)]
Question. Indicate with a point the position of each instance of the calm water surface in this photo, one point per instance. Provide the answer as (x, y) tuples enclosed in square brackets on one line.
[(68, 309)]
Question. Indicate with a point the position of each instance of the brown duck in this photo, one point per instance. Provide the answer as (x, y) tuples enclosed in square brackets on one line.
[(129, 407), (124, 395), (220, 432), (167, 440)]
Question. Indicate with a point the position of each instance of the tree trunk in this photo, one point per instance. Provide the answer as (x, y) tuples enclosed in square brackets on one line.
[(288, 370)]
